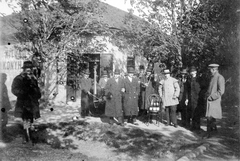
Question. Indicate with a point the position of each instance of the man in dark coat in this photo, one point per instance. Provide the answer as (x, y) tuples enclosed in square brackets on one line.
[(193, 89), (25, 87), (147, 88), (182, 108), (132, 89), (86, 85), (114, 95)]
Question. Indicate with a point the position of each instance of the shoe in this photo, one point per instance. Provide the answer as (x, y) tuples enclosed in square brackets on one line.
[(175, 125)]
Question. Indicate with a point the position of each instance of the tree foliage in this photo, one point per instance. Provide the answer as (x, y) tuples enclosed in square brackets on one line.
[(208, 33)]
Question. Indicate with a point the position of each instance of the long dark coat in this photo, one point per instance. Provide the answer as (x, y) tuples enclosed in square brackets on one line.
[(132, 90), (114, 106), (193, 89), (28, 93), (215, 91), (146, 91)]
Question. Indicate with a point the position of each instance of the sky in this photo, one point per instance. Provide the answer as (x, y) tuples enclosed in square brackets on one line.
[(121, 4)]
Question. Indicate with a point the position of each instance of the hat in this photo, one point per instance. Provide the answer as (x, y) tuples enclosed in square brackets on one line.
[(131, 70), (27, 64), (213, 65), (117, 71), (184, 71), (166, 71), (104, 73), (192, 69), (86, 72), (141, 67)]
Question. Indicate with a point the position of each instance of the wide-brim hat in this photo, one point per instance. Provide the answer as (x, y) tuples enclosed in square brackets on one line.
[(166, 71), (27, 64), (184, 71), (117, 71), (86, 72), (192, 69), (213, 65)]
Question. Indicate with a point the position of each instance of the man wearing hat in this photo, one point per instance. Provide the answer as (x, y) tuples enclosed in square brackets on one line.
[(215, 91), (25, 88), (86, 85), (114, 90), (169, 91), (132, 89), (193, 89), (182, 108), (146, 88)]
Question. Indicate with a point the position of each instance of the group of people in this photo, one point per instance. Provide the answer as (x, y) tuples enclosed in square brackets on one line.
[(191, 94), (126, 97)]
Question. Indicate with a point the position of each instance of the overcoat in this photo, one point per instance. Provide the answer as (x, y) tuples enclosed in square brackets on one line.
[(85, 86), (114, 106), (215, 91), (28, 93), (168, 89), (146, 91), (193, 89), (132, 90)]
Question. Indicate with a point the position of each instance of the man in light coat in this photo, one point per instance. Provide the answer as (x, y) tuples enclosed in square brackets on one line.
[(215, 91), (169, 91)]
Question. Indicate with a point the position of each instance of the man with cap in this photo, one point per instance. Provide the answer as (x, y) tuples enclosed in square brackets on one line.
[(182, 107), (132, 89), (169, 91), (215, 91), (86, 85), (193, 89), (114, 90), (25, 88)]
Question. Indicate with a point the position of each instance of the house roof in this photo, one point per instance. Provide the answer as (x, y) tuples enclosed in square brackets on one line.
[(112, 16)]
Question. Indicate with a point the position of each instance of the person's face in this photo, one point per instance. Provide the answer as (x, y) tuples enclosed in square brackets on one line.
[(212, 70), (130, 75), (193, 73), (183, 77), (167, 75), (28, 71), (86, 76)]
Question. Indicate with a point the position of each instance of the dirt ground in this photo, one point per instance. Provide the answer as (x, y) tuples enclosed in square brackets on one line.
[(59, 137)]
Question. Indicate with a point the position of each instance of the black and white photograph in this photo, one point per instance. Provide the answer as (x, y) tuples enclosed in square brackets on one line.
[(119, 80)]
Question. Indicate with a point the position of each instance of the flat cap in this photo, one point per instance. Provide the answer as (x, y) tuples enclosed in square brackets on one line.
[(213, 65)]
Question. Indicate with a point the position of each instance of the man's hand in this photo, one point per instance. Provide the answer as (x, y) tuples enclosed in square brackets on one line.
[(123, 90), (88, 92)]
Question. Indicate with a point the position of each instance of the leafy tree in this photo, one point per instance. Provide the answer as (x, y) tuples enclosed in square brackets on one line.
[(52, 29)]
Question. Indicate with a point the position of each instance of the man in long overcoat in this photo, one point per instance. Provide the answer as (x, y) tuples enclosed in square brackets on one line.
[(114, 95), (169, 92), (25, 87), (182, 107), (193, 89), (86, 84), (132, 89), (214, 93)]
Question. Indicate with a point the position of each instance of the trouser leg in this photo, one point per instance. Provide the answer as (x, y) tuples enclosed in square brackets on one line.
[(173, 110), (167, 115)]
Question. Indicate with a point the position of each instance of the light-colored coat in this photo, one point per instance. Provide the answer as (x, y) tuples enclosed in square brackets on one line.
[(215, 91), (169, 91)]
